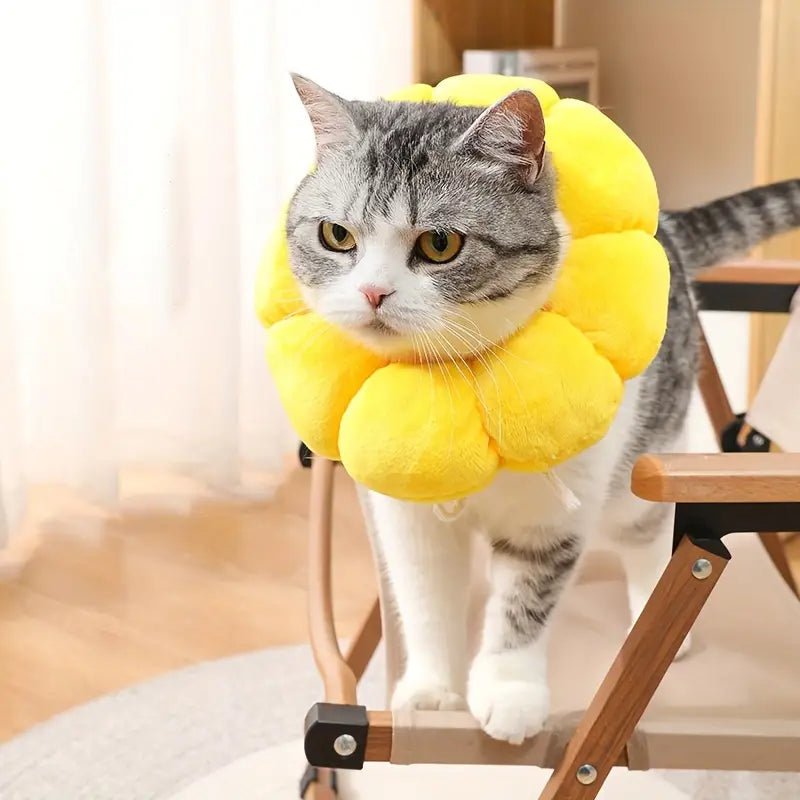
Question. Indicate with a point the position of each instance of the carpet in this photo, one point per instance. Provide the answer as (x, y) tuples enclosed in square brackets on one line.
[(267, 775), (231, 729)]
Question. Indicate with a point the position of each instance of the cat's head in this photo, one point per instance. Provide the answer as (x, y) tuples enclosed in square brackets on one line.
[(426, 229)]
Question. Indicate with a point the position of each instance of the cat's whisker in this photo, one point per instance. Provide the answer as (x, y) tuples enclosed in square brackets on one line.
[(452, 353), (474, 382), (299, 313), (490, 371), (488, 344), (455, 330), (446, 378), (417, 343), (480, 392), (479, 389), (310, 341)]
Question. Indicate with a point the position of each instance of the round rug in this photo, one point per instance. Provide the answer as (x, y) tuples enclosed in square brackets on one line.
[(147, 741), (266, 775), (232, 728)]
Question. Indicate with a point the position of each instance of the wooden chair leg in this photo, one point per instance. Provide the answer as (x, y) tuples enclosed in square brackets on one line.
[(337, 676), (777, 552), (319, 784), (637, 671), (712, 390), (366, 641)]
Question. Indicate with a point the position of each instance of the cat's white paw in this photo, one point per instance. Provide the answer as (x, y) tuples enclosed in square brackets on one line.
[(508, 708), (418, 694)]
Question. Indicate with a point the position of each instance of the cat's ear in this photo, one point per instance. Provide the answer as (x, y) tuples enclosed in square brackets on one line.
[(510, 132), (333, 125)]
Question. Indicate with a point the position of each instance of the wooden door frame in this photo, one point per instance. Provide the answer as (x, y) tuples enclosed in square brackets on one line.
[(777, 119)]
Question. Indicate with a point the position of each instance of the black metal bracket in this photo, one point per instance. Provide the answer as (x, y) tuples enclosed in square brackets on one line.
[(311, 775), (305, 456), (709, 522), (773, 298), (756, 442), (328, 722)]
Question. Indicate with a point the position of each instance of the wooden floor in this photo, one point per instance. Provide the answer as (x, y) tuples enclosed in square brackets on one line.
[(105, 605), (99, 609)]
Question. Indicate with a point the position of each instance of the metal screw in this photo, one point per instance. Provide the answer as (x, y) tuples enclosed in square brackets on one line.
[(586, 774), (345, 745), (701, 569)]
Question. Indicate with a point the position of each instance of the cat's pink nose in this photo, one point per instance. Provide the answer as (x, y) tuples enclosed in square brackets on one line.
[(375, 295)]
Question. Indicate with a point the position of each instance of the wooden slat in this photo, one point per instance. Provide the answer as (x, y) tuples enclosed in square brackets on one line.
[(455, 737), (674, 741), (773, 271), (719, 477), (722, 743), (379, 738)]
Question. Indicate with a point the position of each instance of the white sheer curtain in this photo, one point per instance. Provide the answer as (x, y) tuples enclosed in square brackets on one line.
[(145, 146)]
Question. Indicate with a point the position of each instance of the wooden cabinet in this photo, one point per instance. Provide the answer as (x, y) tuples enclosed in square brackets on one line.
[(443, 29)]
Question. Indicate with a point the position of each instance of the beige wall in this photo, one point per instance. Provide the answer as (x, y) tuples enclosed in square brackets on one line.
[(680, 77)]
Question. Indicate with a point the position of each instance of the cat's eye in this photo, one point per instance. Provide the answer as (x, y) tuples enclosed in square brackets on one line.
[(439, 246), (336, 237)]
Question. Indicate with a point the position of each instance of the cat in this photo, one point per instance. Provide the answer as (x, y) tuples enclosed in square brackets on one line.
[(430, 230)]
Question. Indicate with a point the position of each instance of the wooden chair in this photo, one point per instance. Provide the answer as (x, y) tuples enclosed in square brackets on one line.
[(733, 703)]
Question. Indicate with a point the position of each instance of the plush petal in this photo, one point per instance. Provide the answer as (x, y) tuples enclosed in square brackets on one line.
[(547, 394), (605, 184), (627, 295), (416, 433), (416, 93), (484, 90), (315, 398), (277, 295)]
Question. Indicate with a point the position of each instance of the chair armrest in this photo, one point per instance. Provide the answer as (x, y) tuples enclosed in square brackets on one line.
[(718, 478), (753, 271)]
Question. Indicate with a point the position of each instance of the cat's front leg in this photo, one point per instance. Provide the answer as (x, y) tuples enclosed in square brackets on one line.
[(508, 692), (428, 564)]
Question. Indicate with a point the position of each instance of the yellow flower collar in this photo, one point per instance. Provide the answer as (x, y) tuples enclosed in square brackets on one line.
[(431, 433)]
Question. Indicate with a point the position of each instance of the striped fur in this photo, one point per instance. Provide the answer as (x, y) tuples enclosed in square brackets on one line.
[(707, 234), (540, 572)]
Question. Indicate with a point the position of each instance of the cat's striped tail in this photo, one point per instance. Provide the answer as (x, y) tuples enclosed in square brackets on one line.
[(705, 235)]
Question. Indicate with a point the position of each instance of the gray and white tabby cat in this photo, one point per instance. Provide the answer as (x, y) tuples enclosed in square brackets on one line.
[(429, 230)]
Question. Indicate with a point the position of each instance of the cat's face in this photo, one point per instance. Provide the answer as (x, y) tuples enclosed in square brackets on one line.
[(426, 229)]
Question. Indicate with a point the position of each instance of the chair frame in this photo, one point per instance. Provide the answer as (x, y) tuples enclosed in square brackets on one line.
[(715, 495)]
